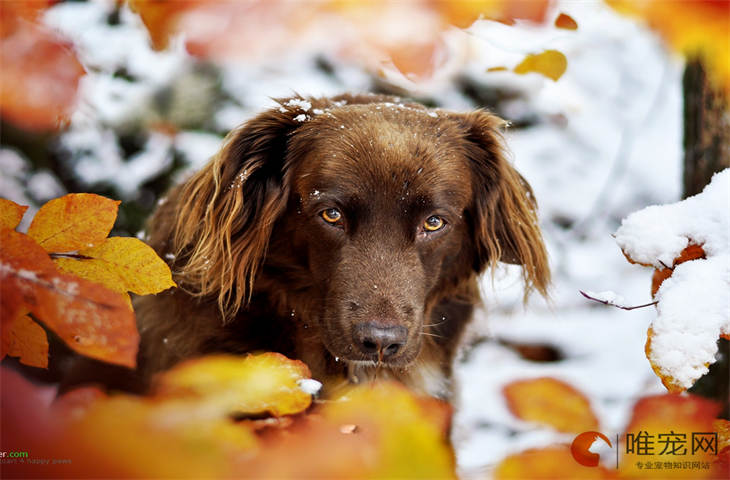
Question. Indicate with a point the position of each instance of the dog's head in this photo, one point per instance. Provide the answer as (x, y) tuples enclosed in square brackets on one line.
[(383, 208)]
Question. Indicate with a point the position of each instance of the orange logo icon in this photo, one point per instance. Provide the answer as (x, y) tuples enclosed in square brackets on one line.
[(581, 444)]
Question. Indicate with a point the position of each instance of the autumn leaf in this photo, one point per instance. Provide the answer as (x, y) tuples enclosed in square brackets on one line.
[(692, 28), (664, 418), (566, 22), (551, 462), (550, 402), (24, 338), (690, 252), (253, 384), (10, 214), (73, 222), (550, 63), (165, 439), (415, 50), (379, 430), (91, 319), (40, 73), (121, 264)]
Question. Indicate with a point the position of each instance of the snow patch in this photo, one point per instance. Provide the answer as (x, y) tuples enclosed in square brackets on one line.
[(310, 386)]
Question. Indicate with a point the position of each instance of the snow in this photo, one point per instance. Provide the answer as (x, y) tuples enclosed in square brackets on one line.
[(299, 103), (693, 310), (693, 306), (310, 386), (609, 297), (602, 142), (657, 235)]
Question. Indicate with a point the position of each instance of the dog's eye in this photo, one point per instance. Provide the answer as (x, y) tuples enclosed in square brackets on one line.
[(433, 223), (331, 215)]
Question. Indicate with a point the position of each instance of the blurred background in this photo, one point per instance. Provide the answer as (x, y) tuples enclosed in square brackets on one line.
[(125, 99)]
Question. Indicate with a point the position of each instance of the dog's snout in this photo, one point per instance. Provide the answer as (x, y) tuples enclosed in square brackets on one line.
[(380, 342)]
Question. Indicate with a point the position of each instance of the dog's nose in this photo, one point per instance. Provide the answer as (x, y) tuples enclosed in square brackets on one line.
[(380, 342)]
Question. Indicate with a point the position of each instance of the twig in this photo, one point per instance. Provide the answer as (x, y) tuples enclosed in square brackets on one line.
[(622, 307)]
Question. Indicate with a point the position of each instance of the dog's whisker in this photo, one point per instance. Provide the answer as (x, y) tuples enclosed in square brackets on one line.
[(432, 335), (434, 324)]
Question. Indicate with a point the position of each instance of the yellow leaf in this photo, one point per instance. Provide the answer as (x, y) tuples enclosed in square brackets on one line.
[(73, 222), (551, 402), (409, 442), (10, 214), (24, 338), (378, 430), (549, 63), (254, 384), (121, 264)]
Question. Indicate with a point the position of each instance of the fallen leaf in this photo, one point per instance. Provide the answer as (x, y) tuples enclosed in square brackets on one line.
[(551, 462), (165, 439), (550, 402), (550, 63), (248, 385), (398, 439), (665, 428), (23, 338), (73, 222), (11, 214), (566, 22)]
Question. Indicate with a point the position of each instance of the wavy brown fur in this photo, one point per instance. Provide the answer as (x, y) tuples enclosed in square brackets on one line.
[(259, 269)]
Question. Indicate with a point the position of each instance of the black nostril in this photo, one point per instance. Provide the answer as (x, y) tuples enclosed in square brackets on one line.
[(369, 347), (392, 349), (377, 341)]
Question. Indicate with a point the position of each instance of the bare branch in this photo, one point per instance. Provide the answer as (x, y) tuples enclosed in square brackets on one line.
[(622, 307)]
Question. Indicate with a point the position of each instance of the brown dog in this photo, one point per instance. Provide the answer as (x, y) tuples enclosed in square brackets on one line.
[(345, 232)]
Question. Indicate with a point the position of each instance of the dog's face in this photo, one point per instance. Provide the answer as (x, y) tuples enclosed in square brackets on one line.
[(385, 209), (381, 196)]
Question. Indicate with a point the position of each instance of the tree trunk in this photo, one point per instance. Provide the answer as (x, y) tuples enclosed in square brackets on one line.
[(706, 129), (706, 151)]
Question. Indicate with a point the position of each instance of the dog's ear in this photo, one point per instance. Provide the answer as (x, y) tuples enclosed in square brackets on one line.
[(504, 208), (224, 215)]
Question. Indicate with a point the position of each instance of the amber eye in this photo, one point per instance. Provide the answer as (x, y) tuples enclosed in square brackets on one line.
[(331, 215), (433, 223)]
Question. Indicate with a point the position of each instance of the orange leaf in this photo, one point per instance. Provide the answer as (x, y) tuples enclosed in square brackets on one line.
[(22, 337), (73, 222), (417, 60), (549, 63), (566, 22), (46, 68), (551, 402), (674, 417), (551, 462), (690, 252), (10, 214), (160, 18), (91, 319)]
